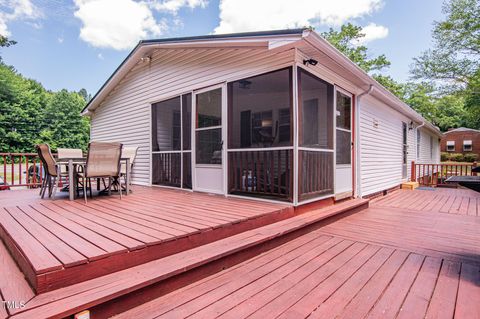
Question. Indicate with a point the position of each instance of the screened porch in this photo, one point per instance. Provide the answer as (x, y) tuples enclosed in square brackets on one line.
[(283, 135)]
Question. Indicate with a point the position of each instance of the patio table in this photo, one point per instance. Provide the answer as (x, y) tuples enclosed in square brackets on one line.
[(72, 162), (472, 182)]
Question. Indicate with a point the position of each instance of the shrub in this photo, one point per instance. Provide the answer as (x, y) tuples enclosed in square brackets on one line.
[(444, 156), (470, 157), (457, 157)]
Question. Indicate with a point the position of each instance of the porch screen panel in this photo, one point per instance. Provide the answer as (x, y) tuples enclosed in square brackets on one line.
[(171, 146), (260, 111), (316, 137), (260, 136)]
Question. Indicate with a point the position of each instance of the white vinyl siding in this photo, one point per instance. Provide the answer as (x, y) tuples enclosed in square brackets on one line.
[(381, 146), (124, 116), (429, 148)]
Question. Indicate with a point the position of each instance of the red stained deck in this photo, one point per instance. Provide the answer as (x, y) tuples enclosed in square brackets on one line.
[(387, 261), (59, 243)]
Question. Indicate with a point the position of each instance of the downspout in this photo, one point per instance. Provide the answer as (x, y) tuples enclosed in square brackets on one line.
[(357, 139)]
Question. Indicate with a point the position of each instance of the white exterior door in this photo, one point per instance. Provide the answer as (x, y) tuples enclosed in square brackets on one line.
[(343, 145), (208, 136)]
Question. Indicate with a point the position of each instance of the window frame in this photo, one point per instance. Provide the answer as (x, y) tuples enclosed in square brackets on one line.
[(470, 146), (452, 144)]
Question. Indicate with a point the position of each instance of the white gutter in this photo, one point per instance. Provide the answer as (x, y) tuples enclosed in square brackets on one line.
[(358, 153)]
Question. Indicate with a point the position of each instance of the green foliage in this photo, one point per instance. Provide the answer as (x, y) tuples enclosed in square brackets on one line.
[(390, 84), (346, 39), (472, 101), (5, 42), (454, 57), (459, 157), (29, 114), (66, 127), (453, 64), (456, 157), (444, 156), (470, 157)]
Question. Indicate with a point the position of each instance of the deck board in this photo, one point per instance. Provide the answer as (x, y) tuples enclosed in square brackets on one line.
[(391, 260), (48, 238)]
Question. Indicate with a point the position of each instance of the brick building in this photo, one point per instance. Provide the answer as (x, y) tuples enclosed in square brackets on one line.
[(461, 140)]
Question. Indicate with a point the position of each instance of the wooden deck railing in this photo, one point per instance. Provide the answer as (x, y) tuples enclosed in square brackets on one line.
[(437, 174), (265, 173), (315, 174), (166, 169), (20, 170)]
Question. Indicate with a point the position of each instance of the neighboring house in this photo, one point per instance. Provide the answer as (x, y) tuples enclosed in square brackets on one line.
[(278, 115), (461, 140)]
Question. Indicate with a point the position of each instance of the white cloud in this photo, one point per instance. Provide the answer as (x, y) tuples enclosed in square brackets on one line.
[(11, 10), (172, 6), (60, 39), (252, 15), (372, 32), (117, 24), (100, 56)]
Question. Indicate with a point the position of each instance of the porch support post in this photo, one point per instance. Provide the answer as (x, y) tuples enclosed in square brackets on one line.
[(295, 132), (413, 172)]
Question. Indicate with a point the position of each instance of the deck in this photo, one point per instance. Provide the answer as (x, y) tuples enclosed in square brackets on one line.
[(392, 260), (59, 243)]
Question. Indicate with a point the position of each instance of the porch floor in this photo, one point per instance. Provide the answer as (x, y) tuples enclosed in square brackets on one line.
[(381, 262), (58, 243)]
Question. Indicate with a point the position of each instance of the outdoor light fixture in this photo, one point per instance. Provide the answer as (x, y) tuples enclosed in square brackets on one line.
[(410, 126), (244, 84), (310, 61), (146, 59)]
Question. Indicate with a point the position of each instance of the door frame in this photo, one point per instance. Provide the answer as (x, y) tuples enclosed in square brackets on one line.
[(352, 138), (223, 126)]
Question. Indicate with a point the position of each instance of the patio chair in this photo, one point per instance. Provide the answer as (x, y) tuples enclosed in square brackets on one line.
[(50, 179), (103, 161), (129, 152)]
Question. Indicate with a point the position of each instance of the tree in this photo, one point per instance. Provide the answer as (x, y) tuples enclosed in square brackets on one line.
[(455, 55), (5, 43), (66, 127), (21, 110), (83, 93), (453, 64), (398, 89), (472, 101), (347, 41)]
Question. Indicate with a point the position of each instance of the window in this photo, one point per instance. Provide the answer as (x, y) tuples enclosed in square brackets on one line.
[(467, 145), (171, 146), (343, 131), (260, 111), (208, 130), (450, 146)]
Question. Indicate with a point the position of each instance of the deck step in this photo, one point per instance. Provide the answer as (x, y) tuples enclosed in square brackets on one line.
[(14, 288), (86, 295)]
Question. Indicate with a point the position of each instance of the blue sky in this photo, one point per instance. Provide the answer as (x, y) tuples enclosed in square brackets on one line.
[(78, 44)]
